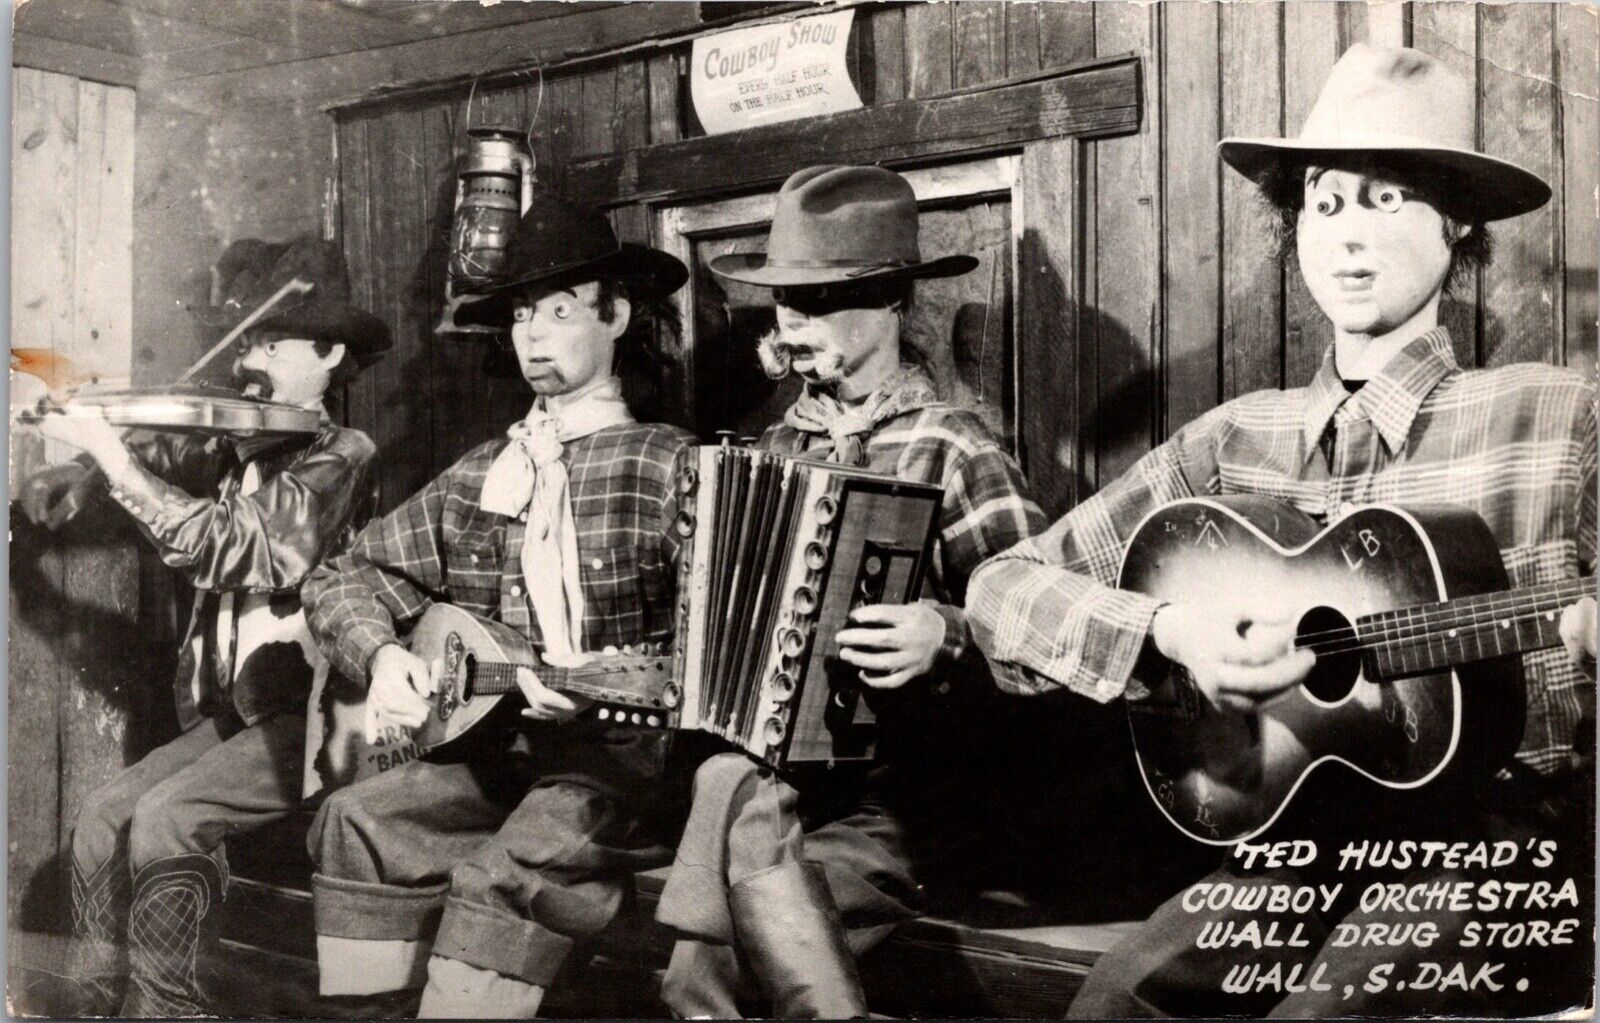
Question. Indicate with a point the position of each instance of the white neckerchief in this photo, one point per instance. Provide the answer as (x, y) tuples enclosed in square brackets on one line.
[(528, 475)]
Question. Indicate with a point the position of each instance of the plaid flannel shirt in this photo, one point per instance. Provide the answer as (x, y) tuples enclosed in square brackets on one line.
[(986, 509), (1514, 444), (440, 545)]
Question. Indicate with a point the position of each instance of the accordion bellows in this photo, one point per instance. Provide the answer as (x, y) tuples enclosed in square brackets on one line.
[(779, 551)]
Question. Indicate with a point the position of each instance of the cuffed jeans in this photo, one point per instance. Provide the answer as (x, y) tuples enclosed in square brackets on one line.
[(503, 862)]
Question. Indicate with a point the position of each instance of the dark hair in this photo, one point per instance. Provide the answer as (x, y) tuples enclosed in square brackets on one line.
[(348, 369), (1282, 187)]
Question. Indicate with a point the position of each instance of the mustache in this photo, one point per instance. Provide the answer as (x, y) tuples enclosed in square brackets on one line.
[(776, 356), (253, 383)]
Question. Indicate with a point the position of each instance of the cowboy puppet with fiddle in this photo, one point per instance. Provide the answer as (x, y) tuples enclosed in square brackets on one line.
[(245, 518)]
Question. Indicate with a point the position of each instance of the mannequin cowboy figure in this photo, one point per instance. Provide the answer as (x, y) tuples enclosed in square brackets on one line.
[(778, 887), (244, 520), (1384, 200), (477, 877)]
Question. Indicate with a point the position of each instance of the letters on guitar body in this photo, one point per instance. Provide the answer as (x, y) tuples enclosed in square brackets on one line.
[(479, 660), (1417, 679)]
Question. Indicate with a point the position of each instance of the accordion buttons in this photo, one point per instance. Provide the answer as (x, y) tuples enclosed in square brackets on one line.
[(805, 600), (825, 510), (687, 480), (597, 564), (684, 523), (671, 695), (816, 556), (792, 642), (782, 686), (773, 731)]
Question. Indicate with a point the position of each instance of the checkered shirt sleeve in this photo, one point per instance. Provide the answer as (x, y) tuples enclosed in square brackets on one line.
[(390, 575), (1046, 612)]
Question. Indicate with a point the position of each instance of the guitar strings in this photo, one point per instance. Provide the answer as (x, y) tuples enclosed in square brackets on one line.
[(1477, 612)]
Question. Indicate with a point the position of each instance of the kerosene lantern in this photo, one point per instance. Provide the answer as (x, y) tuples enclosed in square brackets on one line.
[(494, 187)]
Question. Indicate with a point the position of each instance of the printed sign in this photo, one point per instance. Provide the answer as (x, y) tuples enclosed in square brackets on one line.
[(771, 73)]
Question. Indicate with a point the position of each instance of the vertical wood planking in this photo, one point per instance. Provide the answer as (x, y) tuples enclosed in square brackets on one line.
[(928, 49), (102, 335), (1252, 281), (1192, 237), (1578, 71), (1521, 304), (1382, 23), (1049, 353), (355, 220), (1450, 33), (631, 124), (1311, 46), (44, 125), (887, 24), (1128, 229), (599, 103), (1022, 38), (978, 35), (454, 363), (1066, 33), (665, 122)]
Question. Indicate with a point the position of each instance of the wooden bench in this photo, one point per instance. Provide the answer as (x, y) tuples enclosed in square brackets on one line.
[(1000, 953)]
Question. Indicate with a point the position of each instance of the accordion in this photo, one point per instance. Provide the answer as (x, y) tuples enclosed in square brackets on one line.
[(778, 551)]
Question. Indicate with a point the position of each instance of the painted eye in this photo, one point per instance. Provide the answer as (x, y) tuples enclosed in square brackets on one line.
[(1388, 198), (271, 348), (561, 310), (1327, 203), (521, 313)]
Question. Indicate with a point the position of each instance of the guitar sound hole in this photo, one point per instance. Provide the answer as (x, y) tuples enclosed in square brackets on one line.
[(469, 666), (1338, 658)]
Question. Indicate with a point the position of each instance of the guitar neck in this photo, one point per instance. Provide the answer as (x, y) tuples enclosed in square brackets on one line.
[(496, 678), (1433, 637)]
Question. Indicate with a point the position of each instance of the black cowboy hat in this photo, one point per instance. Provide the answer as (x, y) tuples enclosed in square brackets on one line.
[(834, 224), (251, 271), (560, 243)]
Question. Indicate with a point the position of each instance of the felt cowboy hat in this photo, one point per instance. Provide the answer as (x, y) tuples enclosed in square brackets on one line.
[(835, 224), (251, 271), (1388, 100), (558, 242)]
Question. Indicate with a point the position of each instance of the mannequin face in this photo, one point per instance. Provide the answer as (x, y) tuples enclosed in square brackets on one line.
[(287, 370), (561, 342), (838, 335), (1373, 253)]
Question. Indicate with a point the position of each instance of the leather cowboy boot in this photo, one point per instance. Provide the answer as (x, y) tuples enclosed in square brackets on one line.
[(175, 904), (790, 930), (96, 970)]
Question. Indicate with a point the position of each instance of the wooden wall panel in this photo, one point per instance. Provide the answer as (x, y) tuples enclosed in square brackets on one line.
[(1184, 302), (1128, 206), (1191, 237), (1522, 310), (1578, 71), (1252, 280)]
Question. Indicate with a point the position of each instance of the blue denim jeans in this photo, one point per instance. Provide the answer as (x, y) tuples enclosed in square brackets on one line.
[(504, 861)]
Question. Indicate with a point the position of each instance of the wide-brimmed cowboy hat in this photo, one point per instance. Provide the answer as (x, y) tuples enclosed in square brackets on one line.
[(835, 224), (250, 271), (559, 242), (1392, 101)]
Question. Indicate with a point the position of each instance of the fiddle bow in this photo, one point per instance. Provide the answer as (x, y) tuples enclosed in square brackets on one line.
[(186, 407)]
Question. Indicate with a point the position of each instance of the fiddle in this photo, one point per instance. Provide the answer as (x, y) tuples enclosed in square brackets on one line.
[(185, 407)]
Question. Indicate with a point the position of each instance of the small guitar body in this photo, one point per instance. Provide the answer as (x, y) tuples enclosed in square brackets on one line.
[(1382, 701), (479, 658)]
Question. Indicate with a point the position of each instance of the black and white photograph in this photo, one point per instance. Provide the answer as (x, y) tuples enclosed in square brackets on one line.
[(820, 509)]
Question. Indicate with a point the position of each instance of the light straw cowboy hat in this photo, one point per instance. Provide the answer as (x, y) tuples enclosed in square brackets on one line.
[(1387, 100), (834, 224)]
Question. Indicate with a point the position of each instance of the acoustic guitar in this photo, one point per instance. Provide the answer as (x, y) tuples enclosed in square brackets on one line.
[(1417, 679), (479, 660)]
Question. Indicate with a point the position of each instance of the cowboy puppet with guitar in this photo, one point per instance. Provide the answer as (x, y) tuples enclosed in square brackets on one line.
[(1365, 579)]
